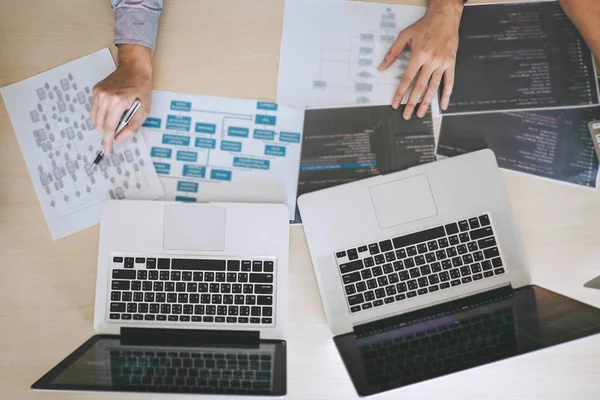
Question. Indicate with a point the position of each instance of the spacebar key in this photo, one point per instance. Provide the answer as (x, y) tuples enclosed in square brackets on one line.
[(198, 265), (418, 237)]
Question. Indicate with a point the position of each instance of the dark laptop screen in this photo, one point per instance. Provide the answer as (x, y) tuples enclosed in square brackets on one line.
[(451, 340), (104, 364)]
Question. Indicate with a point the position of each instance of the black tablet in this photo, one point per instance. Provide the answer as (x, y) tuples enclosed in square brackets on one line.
[(103, 363), (458, 336)]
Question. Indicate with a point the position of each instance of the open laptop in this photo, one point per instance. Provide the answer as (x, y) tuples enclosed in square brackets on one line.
[(412, 240), (189, 298)]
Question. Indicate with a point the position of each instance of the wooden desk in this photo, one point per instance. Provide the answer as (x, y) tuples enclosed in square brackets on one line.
[(231, 48)]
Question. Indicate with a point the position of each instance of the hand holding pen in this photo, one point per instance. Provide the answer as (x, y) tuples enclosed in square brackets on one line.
[(125, 118)]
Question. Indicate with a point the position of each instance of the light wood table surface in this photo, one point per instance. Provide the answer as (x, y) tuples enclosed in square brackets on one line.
[(231, 48)]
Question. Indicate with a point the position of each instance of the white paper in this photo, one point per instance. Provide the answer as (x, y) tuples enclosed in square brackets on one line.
[(331, 49), (50, 115), (221, 149)]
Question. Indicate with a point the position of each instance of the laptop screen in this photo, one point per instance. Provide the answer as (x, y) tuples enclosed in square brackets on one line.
[(104, 364), (454, 339)]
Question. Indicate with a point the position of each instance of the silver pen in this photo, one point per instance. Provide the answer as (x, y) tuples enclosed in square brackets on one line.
[(125, 118)]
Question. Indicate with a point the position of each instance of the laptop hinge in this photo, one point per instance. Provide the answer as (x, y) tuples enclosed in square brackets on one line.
[(438, 310), (188, 337)]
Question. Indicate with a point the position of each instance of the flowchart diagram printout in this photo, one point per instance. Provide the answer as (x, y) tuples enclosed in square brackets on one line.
[(50, 115), (221, 149), (331, 49)]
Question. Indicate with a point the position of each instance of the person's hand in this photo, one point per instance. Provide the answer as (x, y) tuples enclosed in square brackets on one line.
[(433, 41), (116, 93)]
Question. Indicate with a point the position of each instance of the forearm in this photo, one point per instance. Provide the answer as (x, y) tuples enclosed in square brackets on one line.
[(136, 58), (448, 6), (585, 14), (136, 21)]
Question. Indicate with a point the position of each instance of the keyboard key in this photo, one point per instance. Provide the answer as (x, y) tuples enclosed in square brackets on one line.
[(462, 249), (387, 268), (434, 288), (393, 278), (377, 271), (340, 254), (361, 286), (466, 279), (197, 265), (246, 266), (263, 289), (422, 291), (390, 256), (463, 226), (129, 259), (453, 240), (117, 307), (455, 282), (366, 274), (446, 265), (126, 316), (436, 267), (477, 277), (140, 260), (401, 287), (151, 263), (356, 299), (256, 266), (499, 271), (411, 251), (433, 279), (379, 259), (423, 281), (430, 257), (467, 259), (400, 254), (486, 242), (457, 262), (474, 223), (367, 306), (425, 270), (411, 294), (409, 263), (352, 255), (351, 278), (362, 249), (142, 274), (126, 296), (115, 296), (455, 273), (128, 264), (267, 320), (374, 248), (484, 220), (497, 262), (261, 278), (120, 285), (466, 270), (117, 259), (490, 253), (386, 245), (415, 273), (400, 297), (138, 317), (377, 303), (404, 275), (123, 274), (476, 267), (153, 275), (487, 274), (398, 266), (451, 229), (390, 290), (389, 300), (351, 266), (464, 237), (269, 266), (478, 256), (486, 265), (481, 233), (164, 263), (443, 243), (412, 284), (369, 296), (445, 285), (432, 246), (418, 237), (419, 260), (380, 293), (264, 300), (444, 276)]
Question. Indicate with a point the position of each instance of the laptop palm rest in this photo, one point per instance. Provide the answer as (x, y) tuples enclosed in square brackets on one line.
[(402, 201), (194, 228)]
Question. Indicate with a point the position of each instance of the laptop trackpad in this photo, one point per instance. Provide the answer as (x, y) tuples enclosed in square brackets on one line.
[(402, 201), (196, 228)]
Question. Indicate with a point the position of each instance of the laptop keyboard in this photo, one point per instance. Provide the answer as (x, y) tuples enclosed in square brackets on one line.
[(420, 263), (192, 290), (235, 372)]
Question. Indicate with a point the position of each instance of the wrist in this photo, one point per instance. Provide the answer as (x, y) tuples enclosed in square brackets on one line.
[(136, 57), (448, 7)]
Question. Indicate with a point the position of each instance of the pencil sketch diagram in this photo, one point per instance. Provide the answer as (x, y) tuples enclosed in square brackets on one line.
[(66, 144), (354, 69)]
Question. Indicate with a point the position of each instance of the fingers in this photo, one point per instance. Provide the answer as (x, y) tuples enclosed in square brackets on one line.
[(395, 50), (434, 84), (409, 75), (132, 128), (448, 87)]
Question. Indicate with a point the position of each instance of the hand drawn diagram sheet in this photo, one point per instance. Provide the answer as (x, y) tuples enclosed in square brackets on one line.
[(50, 115)]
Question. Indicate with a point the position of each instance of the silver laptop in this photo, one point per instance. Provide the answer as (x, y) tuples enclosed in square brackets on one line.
[(190, 298), (391, 244)]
